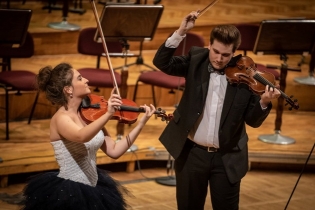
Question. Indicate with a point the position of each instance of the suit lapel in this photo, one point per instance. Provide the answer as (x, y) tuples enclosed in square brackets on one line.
[(205, 75), (229, 96), (230, 93)]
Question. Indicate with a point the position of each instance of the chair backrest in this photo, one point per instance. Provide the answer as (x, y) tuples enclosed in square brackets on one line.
[(192, 39), (249, 34), (88, 46), (24, 51)]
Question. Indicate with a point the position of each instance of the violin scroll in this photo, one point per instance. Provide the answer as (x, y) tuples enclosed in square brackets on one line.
[(164, 117), (293, 103)]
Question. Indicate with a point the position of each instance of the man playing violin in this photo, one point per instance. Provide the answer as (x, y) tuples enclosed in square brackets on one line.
[(207, 136)]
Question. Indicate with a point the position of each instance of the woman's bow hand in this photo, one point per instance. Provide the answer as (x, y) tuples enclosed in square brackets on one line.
[(114, 102)]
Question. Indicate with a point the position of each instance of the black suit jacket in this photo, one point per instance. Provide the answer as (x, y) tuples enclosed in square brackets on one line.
[(240, 106)]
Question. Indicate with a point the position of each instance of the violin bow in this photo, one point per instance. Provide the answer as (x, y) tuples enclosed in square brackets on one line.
[(201, 12), (99, 27)]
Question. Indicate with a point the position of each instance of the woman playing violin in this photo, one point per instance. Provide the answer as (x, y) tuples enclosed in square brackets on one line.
[(79, 184), (207, 136)]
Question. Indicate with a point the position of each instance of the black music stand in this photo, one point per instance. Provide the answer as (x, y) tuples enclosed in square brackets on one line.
[(130, 22), (13, 26), (170, 179), (123, 22), (282, 37)]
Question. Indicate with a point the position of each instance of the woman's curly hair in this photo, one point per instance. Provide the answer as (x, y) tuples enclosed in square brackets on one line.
[(53, 80)]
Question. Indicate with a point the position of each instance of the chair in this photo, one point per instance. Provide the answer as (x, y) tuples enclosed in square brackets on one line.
[(160, 79), (17, 80), (97, 76), (249, 33)]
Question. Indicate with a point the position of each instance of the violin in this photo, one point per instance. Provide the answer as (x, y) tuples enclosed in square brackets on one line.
[(245, 71), (94, 106)]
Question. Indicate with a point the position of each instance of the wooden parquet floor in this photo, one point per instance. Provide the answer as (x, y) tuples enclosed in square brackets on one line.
[(260, 190), (268, 185), (274, 168)]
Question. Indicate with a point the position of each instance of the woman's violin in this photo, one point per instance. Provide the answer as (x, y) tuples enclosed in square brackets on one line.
[(94, 106), (245, 71)]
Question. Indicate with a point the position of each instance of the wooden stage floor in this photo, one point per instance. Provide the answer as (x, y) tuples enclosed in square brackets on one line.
[(29, 150), (266, 185)]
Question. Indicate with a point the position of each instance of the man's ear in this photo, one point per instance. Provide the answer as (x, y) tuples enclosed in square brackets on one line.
[(209, 46)]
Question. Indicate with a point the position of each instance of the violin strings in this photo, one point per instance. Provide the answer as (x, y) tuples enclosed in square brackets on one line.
[(270, 84), (264, 81)]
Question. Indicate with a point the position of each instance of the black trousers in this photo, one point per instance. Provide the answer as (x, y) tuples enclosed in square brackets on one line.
[(195, 170)]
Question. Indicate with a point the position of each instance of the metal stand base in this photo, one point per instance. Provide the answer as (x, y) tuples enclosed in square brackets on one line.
[(276, 138), (64, 25), (168, 180), (310, 80)]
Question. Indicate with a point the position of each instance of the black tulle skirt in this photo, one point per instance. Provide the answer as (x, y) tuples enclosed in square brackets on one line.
[(49, 192)]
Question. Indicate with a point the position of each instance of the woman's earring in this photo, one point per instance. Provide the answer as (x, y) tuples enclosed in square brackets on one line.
[(71, 96)]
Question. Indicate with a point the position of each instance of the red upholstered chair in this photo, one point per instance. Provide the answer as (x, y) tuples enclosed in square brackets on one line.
[(17, 80), (97, 76), (249, 33), (160, 79)]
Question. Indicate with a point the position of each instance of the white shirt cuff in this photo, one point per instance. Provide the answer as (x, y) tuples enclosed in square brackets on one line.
[(174, 40)]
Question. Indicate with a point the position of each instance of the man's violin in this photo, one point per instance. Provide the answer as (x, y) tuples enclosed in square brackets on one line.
[(245, 71)]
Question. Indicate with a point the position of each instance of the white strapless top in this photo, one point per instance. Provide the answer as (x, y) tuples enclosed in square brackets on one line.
[(77, 161)]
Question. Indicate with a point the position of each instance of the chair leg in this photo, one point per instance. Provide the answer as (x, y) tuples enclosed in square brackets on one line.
[(153, 98), (153, 95), (6, 114), (135, 91), (33, 108)]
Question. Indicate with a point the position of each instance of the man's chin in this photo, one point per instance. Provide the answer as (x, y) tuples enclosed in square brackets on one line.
[(217, 67)]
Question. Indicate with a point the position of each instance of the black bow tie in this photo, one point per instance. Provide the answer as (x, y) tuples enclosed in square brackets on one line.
[(212, 70)]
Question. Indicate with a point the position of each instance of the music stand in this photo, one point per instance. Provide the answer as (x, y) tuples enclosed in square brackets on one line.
[(130, 22), (123, 22), (170, 179), (13, 26), (282, 37)]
